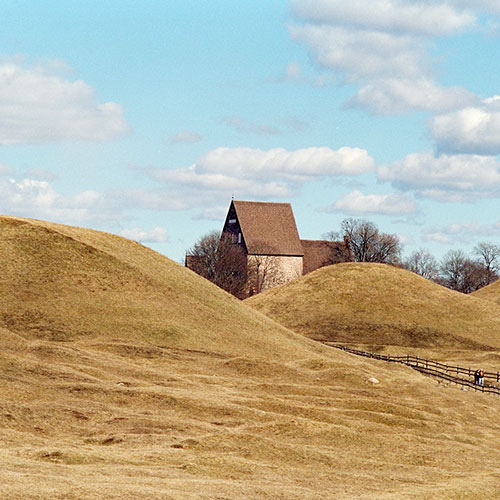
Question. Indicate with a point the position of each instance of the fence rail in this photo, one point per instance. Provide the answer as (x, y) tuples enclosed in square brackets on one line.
[(433, 368)]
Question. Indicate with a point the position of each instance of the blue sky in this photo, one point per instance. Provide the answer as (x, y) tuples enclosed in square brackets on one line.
[(144, 118)]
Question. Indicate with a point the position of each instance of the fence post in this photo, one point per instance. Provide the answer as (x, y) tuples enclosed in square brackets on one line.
[(415, 361)]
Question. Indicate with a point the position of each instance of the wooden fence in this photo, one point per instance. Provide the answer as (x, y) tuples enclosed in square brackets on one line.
[(450, 373)]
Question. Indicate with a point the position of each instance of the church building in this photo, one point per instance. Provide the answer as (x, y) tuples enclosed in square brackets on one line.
[(267, 234)]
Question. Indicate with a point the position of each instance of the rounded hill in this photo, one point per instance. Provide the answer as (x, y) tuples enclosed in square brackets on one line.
[(490, 292), (125, 375), (64, 283), (369, 303)]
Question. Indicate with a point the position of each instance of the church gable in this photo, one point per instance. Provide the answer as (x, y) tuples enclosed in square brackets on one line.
[(266, 228), (260, 248), (232, 228)]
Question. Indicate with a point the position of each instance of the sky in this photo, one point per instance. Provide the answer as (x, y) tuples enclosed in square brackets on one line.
[(144, 119)]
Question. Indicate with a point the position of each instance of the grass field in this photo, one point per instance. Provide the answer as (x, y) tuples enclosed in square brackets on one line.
[(490, 292), (377, 304), (125, 376)]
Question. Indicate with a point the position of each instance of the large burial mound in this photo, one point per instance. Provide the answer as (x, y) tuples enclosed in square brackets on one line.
[(125, 376), (490, 292), (381, 305), (65, 284)]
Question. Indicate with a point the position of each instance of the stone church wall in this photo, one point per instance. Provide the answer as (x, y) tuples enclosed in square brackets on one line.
[(268, 271)]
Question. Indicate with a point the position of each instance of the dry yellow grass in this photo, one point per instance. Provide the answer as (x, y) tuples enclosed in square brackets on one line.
[(125, 376), (377, 304), (70, 284), (490, 292)]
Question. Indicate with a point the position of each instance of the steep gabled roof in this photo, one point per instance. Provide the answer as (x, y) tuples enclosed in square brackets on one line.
[(268, 228)]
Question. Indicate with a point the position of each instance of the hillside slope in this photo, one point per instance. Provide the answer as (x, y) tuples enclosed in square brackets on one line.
[(379, 304), (490, 292), (64, 283), (126, 376)]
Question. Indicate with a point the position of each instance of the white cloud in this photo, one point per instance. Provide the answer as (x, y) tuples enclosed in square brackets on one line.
[(192, 184), (156, 235), (28, 197), (383, 46), (363, 53), (40, 174), (464, 233), (185, 137), (406, 239), (37, 106), (299, 165), (437, 237), (459, 176), (30, 192), (254, 173), (386, 204), (6, 169), (217, 213), (491, 6), (473, 129), (418, 17), (392, 96)]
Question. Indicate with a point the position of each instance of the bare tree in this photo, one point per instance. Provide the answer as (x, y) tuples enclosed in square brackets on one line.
[(338, 248), (489, 255), (262, 271), (265, 269), (423, 263), (219, 260), (463, 274), (482, 276), (368, 244), (453, 270)]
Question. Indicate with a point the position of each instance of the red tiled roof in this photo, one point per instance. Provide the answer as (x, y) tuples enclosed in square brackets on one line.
[(268, 228), (319, 253)]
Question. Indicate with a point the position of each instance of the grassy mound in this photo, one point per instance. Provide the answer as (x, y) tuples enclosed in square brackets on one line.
[(490, 292), (67, 284), (379, 304), (124, 375)]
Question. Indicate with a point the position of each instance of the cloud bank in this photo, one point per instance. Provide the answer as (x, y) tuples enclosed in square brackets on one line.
[(255, 173), (356, 203), (461, 233), (472, 129), (451, 178), (384, 48), (38, 106)]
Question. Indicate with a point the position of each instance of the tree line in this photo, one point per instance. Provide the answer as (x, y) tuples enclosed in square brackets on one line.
[(456, 270), (218, 259)]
